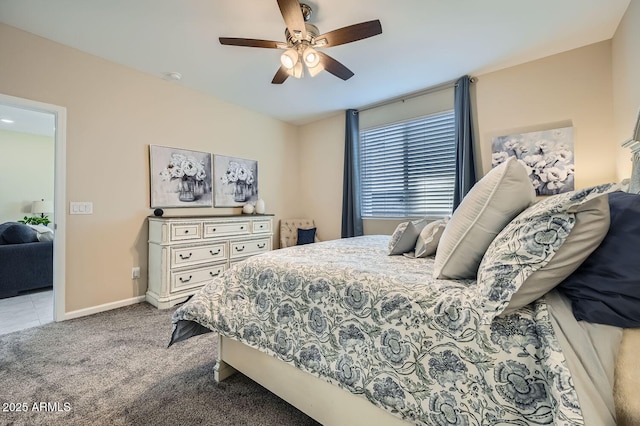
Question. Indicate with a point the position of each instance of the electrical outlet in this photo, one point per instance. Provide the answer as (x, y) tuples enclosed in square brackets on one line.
[(135, 272)]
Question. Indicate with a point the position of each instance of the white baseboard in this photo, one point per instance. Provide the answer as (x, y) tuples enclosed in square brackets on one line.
[(101, 308)]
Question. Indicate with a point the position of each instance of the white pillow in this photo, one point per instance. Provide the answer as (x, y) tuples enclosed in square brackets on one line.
[(44, 233), (427, 242), (405, 236), (488, 207)]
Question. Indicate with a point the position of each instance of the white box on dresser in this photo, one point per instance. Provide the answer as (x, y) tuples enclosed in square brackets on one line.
[(186, 252)]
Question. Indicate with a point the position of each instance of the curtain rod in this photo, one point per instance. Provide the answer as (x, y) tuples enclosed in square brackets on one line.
[(403, 98)]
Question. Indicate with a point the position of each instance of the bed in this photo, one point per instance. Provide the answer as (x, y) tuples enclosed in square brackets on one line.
[(350, 334)]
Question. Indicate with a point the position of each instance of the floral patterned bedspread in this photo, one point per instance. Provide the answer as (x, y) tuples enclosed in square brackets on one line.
[(380, 326)]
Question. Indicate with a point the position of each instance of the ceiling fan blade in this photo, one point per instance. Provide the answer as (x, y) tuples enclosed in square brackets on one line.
[(292, 15), (249, 42), (351, 33), (281, 76), (335, 67)]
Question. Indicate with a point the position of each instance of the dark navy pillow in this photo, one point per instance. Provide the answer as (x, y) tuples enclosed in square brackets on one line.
[(605, 289), (306, 236), (4, 226), (17, 233)]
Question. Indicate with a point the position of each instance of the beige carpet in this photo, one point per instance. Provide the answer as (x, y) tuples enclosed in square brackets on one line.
[(114, 368)]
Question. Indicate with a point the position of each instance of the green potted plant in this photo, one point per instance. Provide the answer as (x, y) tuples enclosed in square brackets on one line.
[(35, 220)]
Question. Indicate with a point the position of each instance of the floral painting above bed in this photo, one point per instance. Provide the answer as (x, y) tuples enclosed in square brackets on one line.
[(547, 155)]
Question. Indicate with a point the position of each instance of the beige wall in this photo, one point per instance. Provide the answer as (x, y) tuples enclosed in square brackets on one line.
[(321, 168), (26, 174), (113, 114), (626, 83), (419, 106), (569, 88)]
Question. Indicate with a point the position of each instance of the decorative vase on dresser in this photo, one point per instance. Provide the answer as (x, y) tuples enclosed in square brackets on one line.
[(260, 206), (187, 252)]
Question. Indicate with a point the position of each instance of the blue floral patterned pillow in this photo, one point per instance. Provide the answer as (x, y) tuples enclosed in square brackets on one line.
[(529, 243)]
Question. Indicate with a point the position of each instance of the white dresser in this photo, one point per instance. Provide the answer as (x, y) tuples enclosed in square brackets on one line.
[(185, 253)]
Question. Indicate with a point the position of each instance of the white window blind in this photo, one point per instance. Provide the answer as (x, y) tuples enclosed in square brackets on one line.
[(407, 169)]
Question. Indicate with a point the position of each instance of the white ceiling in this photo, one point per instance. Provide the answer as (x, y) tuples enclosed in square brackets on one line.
[(424, 43)]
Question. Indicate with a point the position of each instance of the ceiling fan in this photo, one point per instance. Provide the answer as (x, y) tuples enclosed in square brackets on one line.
[(303, 40)]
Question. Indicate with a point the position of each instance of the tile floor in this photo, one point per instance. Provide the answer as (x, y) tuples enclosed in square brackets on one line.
[(25, 311)]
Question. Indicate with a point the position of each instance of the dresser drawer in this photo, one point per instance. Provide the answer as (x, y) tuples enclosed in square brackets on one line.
[(185, 231), (252, 247), (261, 226), (198, 254), (195, 277), (229, 228)]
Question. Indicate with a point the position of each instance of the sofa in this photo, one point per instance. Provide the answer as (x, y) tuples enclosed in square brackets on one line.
[(26, 258)]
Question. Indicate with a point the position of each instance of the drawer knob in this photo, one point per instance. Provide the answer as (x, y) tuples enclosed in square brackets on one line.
[(183, 257), (261, 246), (186, 280), (213, 254), (186, 231), (239, 248), (216, 274), (242, 227), (214, 229)]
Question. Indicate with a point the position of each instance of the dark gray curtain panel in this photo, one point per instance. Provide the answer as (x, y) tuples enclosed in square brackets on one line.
[(351, 214), (465, 162)]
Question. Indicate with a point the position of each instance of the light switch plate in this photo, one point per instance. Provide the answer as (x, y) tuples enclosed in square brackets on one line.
[(80, 207)]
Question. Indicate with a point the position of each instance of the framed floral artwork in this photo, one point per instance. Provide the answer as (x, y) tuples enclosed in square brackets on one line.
[(547, 156), (236, 181), (180, 177)]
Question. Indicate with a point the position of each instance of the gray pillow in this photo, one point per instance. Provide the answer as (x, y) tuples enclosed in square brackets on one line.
[(490, 205), (428, 240), (404, 237)]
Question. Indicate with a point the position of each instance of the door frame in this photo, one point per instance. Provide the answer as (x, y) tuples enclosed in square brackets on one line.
[(60, 196)]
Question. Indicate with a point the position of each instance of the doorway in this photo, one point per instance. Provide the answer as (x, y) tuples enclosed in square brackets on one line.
[(58, 114)]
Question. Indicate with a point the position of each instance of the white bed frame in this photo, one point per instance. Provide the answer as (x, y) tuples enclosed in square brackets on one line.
[(320, 400)]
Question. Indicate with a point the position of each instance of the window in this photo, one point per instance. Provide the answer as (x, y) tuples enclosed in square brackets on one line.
[(407, 169)]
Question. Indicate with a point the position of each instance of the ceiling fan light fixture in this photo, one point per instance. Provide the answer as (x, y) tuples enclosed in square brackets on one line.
[(320, 42), (302, 40), (313, 71), (311, 57), (298, 70), (289, 59)]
